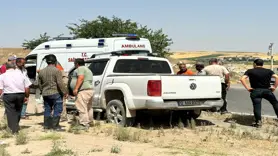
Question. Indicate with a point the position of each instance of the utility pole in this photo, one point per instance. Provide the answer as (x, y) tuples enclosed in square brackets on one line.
[(270, 53)]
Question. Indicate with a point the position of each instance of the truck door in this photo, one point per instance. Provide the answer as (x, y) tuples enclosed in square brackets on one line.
[(97, 67)]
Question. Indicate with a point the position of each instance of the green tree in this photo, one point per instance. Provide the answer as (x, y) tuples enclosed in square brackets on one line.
[(32, 44), (103, 27)]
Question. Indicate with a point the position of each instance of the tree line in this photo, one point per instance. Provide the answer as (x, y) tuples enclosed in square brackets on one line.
[(103, 27)]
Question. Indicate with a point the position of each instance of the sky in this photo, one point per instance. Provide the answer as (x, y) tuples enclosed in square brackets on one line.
[(207, 25)]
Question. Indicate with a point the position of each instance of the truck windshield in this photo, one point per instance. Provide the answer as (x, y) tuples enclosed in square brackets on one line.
[(141, 66)]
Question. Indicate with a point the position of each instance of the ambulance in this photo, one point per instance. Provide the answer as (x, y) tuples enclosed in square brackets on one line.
[(67, 49)]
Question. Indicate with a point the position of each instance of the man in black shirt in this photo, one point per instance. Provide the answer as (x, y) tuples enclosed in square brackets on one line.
[(260, 88)]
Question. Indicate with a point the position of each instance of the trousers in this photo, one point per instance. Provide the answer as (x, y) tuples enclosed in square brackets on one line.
[(53, 102), (223, 96), (24, 108), (257, 95), (83, 104), (13, 106)]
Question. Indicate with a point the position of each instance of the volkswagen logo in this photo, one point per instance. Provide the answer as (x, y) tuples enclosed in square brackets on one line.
[(193, 86)]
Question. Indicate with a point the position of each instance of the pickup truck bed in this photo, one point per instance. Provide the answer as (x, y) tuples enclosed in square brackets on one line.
[(176, 92)]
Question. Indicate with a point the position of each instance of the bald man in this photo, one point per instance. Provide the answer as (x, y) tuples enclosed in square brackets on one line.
[(184, 70)]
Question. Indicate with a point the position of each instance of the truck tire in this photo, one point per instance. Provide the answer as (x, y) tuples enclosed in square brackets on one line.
[(195, 113), (115, 113)]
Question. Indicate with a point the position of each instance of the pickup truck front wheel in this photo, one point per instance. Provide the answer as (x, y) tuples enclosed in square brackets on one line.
[(116, 114)]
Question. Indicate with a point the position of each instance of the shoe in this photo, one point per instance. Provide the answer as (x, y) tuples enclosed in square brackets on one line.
[(224, 112), (83, 127), (64, 119), (47, 123), (25, 117), (257, 124), (55, 124), (92, 123)]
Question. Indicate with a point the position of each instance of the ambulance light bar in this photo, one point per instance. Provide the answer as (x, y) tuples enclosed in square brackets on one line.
[(127, 53), (125, 35)]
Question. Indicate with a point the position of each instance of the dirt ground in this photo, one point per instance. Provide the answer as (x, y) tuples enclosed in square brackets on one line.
[(211, 134)]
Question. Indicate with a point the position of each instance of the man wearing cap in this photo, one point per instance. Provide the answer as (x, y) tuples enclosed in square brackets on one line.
[(53, 89), (15, 89), (11, 59), (65, 80), (215, 69)]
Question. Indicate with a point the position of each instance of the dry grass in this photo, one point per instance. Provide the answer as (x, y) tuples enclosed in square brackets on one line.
[(58, 150), (189, 138), (21, 138), (115, 149), (3, 151), (190, 54), (212, 134), (26, 151), (51, 136), (6, 52)]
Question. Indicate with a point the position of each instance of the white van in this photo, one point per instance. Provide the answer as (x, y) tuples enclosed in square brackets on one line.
[(67, 50)]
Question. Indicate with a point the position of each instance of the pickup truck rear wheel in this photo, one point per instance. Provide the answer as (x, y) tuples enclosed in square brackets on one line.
[(116, 114), (195, 113)]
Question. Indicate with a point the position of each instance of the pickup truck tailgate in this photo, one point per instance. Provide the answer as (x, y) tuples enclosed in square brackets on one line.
[(190, 87)]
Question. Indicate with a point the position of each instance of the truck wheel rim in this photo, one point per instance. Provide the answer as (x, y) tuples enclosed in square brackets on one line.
[(115, 114)]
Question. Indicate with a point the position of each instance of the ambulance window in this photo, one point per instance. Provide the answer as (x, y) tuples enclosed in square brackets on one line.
[(97, 67)]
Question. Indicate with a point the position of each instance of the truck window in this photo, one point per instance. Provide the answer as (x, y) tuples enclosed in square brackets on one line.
[(141, 66), (97, 67)]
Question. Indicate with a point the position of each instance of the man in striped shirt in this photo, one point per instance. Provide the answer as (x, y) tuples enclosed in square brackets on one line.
[(53, 89)]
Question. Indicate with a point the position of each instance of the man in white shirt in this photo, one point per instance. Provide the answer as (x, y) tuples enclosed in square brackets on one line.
[(15, 89), (218, 70)]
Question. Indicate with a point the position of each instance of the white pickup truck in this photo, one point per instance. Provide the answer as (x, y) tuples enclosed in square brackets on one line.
[(126, 84)]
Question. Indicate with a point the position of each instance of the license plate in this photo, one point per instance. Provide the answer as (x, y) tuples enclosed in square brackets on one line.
[(190, 103)]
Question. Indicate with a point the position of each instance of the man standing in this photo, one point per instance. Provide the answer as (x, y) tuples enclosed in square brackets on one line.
[(52, 88), (65, 81), (15, 87), (184, 70), (260, 79), (82, 86), (200, 68), (11, 59), (20, 63), (215, 69)]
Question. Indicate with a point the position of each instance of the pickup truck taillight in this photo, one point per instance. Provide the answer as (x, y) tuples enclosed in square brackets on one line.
[(154, 88)]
